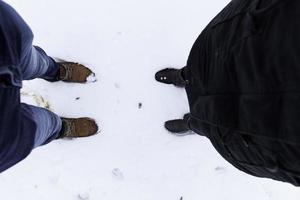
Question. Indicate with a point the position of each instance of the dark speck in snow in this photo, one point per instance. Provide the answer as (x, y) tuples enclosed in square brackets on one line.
[(140, 105)]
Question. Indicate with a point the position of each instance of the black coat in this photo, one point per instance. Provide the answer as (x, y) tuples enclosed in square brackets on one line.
[(244, 90)]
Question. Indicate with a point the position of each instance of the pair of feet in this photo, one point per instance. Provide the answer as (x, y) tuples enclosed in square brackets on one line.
[(75, 127), (175, 77), (83, 127)]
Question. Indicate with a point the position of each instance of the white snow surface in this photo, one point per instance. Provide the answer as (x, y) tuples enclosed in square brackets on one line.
[(124, 42)]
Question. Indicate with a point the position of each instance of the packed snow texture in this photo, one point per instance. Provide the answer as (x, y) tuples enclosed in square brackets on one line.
[(134, 157)]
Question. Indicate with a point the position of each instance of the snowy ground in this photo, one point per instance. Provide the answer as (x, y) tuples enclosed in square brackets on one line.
[(125, 42)]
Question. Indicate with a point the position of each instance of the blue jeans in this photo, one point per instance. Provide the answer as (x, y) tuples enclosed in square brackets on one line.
[(33, 63), (27, 62), (37, 64), (22, 127)]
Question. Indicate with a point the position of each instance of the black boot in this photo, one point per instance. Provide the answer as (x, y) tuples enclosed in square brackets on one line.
[(171, 76), (179, 127)]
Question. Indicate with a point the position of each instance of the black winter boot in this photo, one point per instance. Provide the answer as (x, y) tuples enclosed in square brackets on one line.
[(171, 76), (179, 127)]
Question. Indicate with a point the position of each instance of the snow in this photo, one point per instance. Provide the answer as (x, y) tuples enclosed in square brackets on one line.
[(91, 78), (134, 157)]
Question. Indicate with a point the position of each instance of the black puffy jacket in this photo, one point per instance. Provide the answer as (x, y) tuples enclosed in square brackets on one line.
[(244, 90)]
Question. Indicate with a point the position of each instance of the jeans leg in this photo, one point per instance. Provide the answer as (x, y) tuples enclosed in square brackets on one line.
[(27, 62), (37, 64), (16, 48), (48, 124)]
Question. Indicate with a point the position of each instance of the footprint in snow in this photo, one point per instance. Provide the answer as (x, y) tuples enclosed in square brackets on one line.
[(117, 85), (117, 174), (83, 196), (55, 179), (34, 98), (220, 170)]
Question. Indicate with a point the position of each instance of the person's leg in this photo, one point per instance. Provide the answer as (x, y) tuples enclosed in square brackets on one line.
[(37, 64), (179, 78), (27, 61), (48, 124)]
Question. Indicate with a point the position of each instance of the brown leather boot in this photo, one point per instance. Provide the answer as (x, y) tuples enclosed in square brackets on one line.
[(74, 72), (80, 127)]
